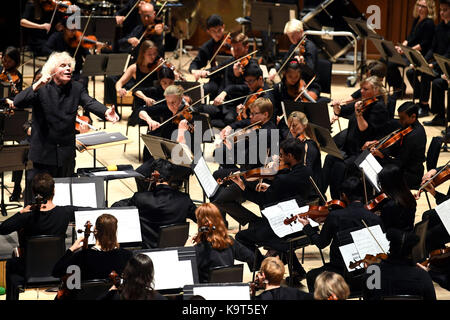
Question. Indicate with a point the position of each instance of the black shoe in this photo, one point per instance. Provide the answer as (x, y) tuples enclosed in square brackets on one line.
[(423, 110), (437, 121), (15, 196)]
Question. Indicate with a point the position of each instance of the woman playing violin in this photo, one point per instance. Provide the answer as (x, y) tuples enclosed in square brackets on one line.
[(10, 74)]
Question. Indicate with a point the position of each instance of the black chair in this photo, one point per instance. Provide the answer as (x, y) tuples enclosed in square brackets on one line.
[(223, 274), (173, 235), (402, 297), (324, 70), (92, 289), (41, 255)]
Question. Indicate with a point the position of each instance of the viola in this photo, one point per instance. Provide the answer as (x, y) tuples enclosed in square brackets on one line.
[(202, 231), (368, 260), (87, 42), (372, 204), (317, 212), (12, 78), (243, 113)]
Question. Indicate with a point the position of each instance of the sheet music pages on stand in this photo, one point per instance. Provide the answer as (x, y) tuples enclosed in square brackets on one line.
[(206, 179), (83, 194), (170, 272), (223, 292), (278, 213), (443, 211), (371, 168)]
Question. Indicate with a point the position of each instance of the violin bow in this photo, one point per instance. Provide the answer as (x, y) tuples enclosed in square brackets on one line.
[(244, 129), (187, 90), (317, 189), (179, 112), (218, 49), (434, 176), (232, 62), (82, 36), (148, 75), (290, 56), (134, 6), (252, 94), (365, 187), (367, 227), (305, 88)]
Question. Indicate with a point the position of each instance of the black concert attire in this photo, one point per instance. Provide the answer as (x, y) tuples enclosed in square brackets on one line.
[(52, 147), (338, 225), (394, 215), (208, 257), (284, 293), (350, 142), (421, 33), (114, 295), (160, 207), (400, 276), (29, 224), (391, 101), (409, 155), (133, 18), (205, 53), (18, 84), (36, 38), (137, 32)]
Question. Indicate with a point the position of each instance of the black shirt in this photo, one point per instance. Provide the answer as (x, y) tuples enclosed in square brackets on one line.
[(421, 33), (137, 32), (396, 216), (284, 293), (440, 44)]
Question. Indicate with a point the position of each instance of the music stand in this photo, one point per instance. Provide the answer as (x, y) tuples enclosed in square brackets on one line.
[(444, 64), (12, 157), (5, 89), (195, 94), (11, 126), (94, 65), (325, 141), (271, 17), (315, 112), (177, 153), (388, 51)]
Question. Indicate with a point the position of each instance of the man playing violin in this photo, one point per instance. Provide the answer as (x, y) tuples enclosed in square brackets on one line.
[(133, 18), (153, 31), (55, 98), (336, 224), (409, 152)]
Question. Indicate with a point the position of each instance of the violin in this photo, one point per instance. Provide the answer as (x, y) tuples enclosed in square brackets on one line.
[(439, 178), (78, 124), (258, 284), (87, 42), (186, 113), (87, 232), (115, 278), (159, 63), (151, 29), (372, 204), (241, 134), (393, 138), (243, 113), (317, 212), (256, 173), (202, 231), (50, 5), (368, 260), (12, 78), (438, 258), (367, 102)]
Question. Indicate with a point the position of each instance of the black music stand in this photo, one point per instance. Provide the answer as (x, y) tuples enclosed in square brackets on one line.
[(94, 65), (101, 27), (195, 94), (325, 140), (11, 126), (5, 90), (271, 16), (361, 28), (12, 157), (315, 112), (444, 64), (388, 51)]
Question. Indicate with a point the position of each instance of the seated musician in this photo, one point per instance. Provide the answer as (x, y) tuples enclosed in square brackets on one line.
[(148, 29), (397, 274), (338, 221), (271, 275), (161, 205), (154, 116), (133, 18), (365, 121), (213, 246), (288, 183), (98, 261), (10, 74), (151, 95), (45, 218), (409, 152), (215, 28), (330, 286)]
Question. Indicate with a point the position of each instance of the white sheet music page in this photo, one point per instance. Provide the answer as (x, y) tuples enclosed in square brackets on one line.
[(62, 194), (206, 179), (223, 292), (109, 173), (371, 168), (366, 244), (84, 195), (128, 224), (443, 211), (350, 254)]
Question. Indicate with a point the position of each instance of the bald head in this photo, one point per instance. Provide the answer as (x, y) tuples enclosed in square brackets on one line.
[(147, 13)]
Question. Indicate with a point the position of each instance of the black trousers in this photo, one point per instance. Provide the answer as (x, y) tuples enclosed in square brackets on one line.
[(421, 86), (393, 75), (334, 172), (437, 236), (439, 86), (15, 276)]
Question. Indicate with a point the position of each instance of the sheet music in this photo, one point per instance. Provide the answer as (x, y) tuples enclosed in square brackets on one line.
[(170, 273), (278, 213), (223, 292), (128, 224), (366, 244), (62, 194), (443, 211), (349, 254), (206, 179), (371, 168), (84, 195), (109, 173)]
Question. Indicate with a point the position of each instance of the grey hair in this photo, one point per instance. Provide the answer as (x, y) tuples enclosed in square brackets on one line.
[(54, 60)]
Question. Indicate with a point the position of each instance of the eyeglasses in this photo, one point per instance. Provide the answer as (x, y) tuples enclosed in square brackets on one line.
[(250, 82), (421, 6)]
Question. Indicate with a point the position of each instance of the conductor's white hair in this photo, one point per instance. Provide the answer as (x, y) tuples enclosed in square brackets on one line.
[(55, 60)]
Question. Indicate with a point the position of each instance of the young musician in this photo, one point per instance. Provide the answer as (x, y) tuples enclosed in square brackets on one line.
[(270, 275), (330, 286), (161, 205), (55, 99), (367, 118), (337, 223), (213, 246), (10, 74), (409, 152)]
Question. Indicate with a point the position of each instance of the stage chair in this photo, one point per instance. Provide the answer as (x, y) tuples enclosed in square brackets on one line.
[(228, 274), (173, 235)]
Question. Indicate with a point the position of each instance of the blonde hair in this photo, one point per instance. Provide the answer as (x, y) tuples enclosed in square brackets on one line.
[(264, 105), (174, 90), (301, 117), (431, 6), (377, 85), (292, 26), (54, 60), (273, 269), (330, 284)]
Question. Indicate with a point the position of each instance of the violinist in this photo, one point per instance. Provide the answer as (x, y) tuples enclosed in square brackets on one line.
[(149, 29), (100, 260), (162, 205), (271, 275), (213, 246), (398, 275), (337, 223), (331, 286), (131, 8), (10, 74), (408, 152), (46, 219), (367, 118), (215, 28)]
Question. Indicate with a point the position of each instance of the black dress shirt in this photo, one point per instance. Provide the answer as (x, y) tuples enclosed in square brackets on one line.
[(284, 293), (421, 33)]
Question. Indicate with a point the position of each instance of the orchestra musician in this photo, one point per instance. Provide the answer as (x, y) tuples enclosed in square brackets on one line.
[(55, 98), (330, 286), (133, 18), (367, 118), (153, 32)]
